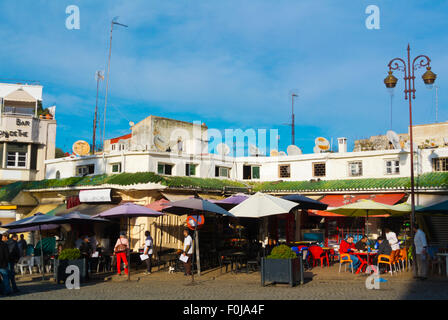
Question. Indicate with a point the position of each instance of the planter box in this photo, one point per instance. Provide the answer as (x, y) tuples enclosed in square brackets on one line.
[(282, 271), (61, 265)]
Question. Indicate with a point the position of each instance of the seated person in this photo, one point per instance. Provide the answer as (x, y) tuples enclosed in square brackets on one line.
[(347, 246), (383, 248), (361, 245)]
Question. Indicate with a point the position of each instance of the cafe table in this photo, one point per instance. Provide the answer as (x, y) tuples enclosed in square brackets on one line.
[(365, 258), (446, 260), (237, 258)]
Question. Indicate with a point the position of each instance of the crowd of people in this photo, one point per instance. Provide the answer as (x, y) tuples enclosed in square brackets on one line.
[(387, 244)]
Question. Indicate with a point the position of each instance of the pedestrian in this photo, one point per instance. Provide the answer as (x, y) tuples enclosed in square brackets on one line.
[(86, 252), (149, 244), (120, 251), (4, 261), (22, 245), (188, 251), (393, 241), (421, 265), (14, 256)]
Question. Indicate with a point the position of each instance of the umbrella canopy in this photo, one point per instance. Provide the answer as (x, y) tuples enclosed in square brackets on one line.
[(438, 208), (77, 217), (39, 219), (158, 205), (232, 201), (262, 205), (129, 210), (36, 228), (191, 205), (365, 208), (305, 202)]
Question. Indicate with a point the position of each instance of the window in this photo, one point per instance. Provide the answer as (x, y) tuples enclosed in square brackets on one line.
[(319, 169), (58, 175), (440, 164), (222, 172), (355, 168), (392, 166), (251, 172), (190, 169), (82, 171), (116, 167), (16, 155), (163, 168), (284, 171), (33, 160)]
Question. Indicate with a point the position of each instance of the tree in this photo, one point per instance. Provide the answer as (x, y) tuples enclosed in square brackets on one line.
[(59, 153)]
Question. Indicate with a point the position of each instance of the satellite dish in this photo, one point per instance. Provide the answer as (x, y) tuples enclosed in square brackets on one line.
[(161, 143), (293, 150), (394, 139), (81, 148), (282, 153), (322, 144), (223, 149), (131, 124), (274, 153), (254, 151), (407, 147)]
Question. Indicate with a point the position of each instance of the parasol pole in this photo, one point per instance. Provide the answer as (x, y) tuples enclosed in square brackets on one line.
[(41, 254), (198, 258), (129, 249)]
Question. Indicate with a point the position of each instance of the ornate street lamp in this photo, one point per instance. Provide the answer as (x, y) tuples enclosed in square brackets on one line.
[(409, 84)]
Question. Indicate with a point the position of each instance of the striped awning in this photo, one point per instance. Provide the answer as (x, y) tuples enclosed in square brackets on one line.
[(44, 208)]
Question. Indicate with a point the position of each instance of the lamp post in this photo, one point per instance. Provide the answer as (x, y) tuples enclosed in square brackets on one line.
[(114, 22), (409, 93)]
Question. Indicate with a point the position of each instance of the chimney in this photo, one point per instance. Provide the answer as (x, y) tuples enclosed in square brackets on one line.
[(342, 145)]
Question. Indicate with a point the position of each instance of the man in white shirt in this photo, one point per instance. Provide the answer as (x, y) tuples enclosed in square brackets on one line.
[(148, 251), (395, 246), (188, 251), (421, 263)]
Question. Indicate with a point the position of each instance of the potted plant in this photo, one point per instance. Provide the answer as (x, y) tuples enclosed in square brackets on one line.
[(282, 266), (66, 258)]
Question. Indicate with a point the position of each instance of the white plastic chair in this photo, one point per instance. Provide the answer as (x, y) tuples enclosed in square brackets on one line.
[(25, 262), (36, 262)]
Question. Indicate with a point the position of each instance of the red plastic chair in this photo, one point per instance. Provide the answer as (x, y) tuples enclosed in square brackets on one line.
[(318, 254)]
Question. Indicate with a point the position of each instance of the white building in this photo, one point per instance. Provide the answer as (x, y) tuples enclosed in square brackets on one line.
[(26, 140), (164, 146)]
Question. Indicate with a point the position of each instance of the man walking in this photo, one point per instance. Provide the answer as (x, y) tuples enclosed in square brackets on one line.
[(188, 251), (148, 251), (421, 263), (14, 256)]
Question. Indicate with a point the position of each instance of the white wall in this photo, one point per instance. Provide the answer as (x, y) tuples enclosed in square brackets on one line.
[(373, 163)]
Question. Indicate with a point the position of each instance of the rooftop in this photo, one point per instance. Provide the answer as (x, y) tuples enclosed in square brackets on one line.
[(431, 181)]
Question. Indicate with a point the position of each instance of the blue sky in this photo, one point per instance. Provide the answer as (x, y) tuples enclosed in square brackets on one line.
[(230, 64)]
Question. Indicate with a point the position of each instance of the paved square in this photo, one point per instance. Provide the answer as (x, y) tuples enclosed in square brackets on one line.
[(322, 284)]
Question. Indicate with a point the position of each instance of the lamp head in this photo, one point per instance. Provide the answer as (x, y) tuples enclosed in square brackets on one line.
[(429, 77), (390, 81)]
